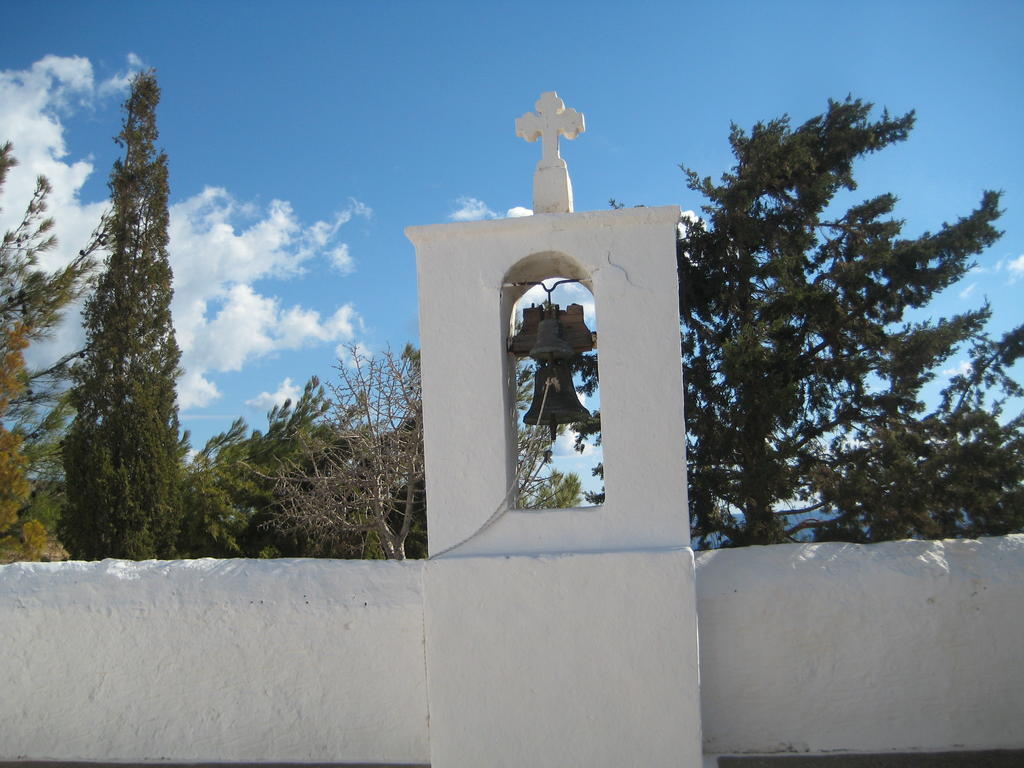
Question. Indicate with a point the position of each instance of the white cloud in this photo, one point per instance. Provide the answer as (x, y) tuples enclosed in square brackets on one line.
[(963, 368), (120, 82), (219, 247), (575, 293), (323, 233), (535, 295), (966, 292), (341, 260), (297, 327), (196, 391), (248, 326), (685, 219), (356, 208), (222, 322), (266, 400), (471, 209), (565, 446), (66, 80), (341, 324), (344, 353), (30, 103), (1016, 267), (563, 295)]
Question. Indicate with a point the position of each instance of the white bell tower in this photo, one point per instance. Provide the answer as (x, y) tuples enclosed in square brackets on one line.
[(566, 636)]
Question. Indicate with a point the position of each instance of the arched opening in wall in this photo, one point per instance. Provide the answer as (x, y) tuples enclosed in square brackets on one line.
[(556, 390)]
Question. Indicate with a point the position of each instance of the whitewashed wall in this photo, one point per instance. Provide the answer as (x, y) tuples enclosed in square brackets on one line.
[(902, 645), (559, 661), (204, 660), (906, 645)]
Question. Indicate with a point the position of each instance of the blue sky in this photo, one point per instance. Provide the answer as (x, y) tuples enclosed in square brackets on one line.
[(303, 138)]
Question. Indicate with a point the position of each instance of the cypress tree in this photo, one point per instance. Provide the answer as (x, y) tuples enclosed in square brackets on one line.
[(121, 453), (805, 368)]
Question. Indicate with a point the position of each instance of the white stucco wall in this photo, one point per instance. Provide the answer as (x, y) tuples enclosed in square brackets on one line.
[(912, 645), (269, 660), (553, 661), (897, 646)]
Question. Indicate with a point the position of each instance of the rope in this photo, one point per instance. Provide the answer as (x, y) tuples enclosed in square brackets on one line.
[(503, 505)]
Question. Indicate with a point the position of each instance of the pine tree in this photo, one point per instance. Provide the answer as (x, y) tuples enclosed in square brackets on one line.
[(31, 304), (803, 373), (13, 483), (121, 453), (228, 499)]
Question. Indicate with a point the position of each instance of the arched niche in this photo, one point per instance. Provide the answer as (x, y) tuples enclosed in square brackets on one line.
[(544, 264), (535, 268)]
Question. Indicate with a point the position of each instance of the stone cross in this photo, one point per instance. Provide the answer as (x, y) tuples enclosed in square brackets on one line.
[(552, 189)]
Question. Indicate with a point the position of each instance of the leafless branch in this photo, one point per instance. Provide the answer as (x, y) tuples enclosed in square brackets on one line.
[(361, 475)]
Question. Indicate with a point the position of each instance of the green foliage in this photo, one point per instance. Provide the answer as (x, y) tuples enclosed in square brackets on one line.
[(31, 304), (13, 483), (43, 427), (958, 471), (803, 373), (585, 367), (559, 490), (121, 453), (228, 496)]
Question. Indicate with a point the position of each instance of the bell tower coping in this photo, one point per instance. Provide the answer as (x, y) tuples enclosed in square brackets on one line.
[(469, 403)]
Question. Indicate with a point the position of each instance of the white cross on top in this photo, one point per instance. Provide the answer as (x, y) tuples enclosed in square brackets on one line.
[(551, 119), (552, 189)]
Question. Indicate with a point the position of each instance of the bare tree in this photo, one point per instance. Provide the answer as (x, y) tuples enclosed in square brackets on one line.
[(360, 480), (357, 484)]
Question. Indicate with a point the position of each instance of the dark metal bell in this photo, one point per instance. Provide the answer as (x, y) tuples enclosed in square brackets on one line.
[(551, 342), (574, 329), (554, 398)]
